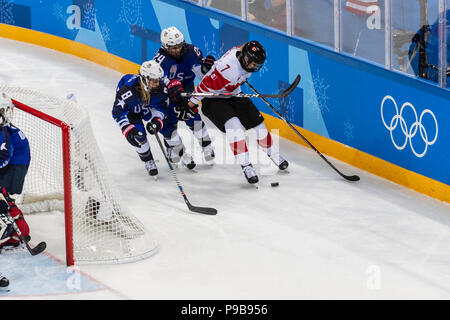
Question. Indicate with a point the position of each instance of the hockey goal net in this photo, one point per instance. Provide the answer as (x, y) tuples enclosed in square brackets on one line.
[(67, 173)]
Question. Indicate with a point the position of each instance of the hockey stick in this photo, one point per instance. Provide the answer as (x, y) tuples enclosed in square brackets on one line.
[(203, 210), (350, 178), (34, 251), (245, 95)]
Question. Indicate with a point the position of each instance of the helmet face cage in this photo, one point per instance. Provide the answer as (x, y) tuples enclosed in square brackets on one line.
[(6, 109), (150, 70), (253, 51)]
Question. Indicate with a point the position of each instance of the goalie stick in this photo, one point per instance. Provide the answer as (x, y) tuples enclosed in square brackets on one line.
[(349, 178), (33, 251), (202, 210), (245, 95)]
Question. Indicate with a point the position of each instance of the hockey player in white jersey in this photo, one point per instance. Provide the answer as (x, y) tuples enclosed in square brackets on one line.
[(232, 114)]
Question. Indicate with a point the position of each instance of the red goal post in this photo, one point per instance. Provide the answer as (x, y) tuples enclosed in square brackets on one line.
[(65, 135)]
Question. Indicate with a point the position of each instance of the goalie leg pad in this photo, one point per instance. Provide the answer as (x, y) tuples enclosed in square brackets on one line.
[(6, 230)]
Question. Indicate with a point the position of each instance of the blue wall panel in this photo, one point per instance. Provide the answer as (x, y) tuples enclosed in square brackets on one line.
[(339, 97)]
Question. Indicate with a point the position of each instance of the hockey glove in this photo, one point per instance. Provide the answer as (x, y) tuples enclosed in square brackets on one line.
[(184, 112), (207, 64), (133, 135), (154, 125), (175, 89)]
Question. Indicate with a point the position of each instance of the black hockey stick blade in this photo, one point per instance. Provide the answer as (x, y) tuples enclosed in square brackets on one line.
[(202, 210), (285, 92), (38, 249), (349, 178), (352, 178)]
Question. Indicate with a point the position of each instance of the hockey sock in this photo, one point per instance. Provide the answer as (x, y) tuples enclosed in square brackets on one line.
[(144, 152), (236, 138), (175, 147), (201, 133), (264, 139)]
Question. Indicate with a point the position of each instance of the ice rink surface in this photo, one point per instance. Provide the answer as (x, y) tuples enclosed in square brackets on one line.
[(316, 236)]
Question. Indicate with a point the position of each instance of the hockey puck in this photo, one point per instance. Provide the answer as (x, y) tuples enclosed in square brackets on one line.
[(274, 184)]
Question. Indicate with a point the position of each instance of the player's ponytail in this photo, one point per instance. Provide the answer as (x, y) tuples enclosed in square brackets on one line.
[(145, 95)]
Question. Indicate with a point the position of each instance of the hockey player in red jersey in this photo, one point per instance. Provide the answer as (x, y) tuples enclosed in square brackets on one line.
[(232, 114)]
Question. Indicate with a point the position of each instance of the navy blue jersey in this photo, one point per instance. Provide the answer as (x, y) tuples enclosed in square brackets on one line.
[(14, 147), (185, 69), (128, 102)]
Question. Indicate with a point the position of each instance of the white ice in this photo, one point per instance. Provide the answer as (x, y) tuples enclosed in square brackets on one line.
[(316, 236)]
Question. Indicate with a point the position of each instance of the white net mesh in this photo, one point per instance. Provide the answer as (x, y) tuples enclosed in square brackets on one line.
[(103, 230)]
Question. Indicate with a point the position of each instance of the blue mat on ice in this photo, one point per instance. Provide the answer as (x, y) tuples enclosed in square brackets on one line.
[(42, 275)]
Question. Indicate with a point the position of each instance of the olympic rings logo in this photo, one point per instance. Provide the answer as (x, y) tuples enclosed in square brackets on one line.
[(410, 132)]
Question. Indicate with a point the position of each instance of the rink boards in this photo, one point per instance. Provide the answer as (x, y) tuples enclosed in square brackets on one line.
[(387, 123)]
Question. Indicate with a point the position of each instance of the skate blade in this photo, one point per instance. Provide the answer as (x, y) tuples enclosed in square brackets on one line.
[(4, 289), (253, 185)]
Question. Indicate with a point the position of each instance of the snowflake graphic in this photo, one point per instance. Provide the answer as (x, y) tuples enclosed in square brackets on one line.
[(348, 130), (90, 13), (263, 70), (286, 106), (291, 115), (318, 98), (131, 12), (212, 50), (106, 32), (58, 11), (6, 12)]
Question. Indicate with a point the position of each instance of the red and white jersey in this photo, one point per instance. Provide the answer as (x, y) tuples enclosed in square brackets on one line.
[(226, 76)]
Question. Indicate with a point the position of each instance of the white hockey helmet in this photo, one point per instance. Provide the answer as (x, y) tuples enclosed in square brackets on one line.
[(6, 109), (171, 37), (150, 70)]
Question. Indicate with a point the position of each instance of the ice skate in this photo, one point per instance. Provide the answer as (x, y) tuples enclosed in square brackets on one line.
[(187, 161), (151, 168), (250, 174), (4, 283), (208, 153), (173, 155), (279, 161)]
